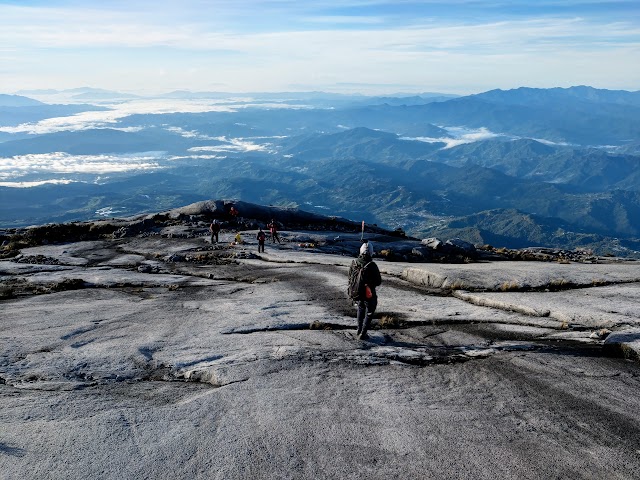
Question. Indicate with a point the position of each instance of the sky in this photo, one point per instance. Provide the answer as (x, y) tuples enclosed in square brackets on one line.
[(346, 46)]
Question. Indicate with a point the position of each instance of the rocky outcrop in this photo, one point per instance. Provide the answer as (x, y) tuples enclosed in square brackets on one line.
[(624, 343), (201, 360), (192, 220), (453, 250)]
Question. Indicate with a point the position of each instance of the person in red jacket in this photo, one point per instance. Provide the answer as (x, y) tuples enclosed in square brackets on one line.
[(233, 211), (273, 228)]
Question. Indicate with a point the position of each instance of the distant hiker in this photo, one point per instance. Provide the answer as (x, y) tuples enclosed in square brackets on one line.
[(261, 238), (233, 211), (273, 228), (238, 240), (364, 277), (214, 228)]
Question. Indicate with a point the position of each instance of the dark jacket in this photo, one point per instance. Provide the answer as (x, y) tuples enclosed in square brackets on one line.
[(371, 274)]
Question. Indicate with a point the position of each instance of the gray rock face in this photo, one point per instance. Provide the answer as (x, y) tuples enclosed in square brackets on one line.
[(168, 357), (458, 245), (432, 243), (625, 343), (421, 252)]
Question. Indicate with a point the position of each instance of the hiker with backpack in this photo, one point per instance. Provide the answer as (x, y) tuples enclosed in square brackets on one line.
[(364, 277), (273, 229), (261, 238), (214, 228)]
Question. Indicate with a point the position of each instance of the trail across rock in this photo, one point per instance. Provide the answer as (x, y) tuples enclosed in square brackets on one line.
[(150, 357)]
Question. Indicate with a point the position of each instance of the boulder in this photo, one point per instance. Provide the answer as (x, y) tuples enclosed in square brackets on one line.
[(624, 343), (423, 253), (459, 246), (432, 243)]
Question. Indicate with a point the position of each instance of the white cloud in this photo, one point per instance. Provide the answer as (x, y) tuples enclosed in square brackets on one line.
[(464, 135), (63, 163), (123, 32), (189, 133), (233, 145), (127, 47), (109, 211), (461, 135), (559, 144), (36, 183), (198, 157), (109, 118), (346, 19), (266, 137)]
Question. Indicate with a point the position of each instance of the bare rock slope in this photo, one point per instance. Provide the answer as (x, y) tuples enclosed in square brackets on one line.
[(144, 351)]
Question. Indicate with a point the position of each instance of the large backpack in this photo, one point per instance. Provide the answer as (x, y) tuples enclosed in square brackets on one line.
[(356, 287)]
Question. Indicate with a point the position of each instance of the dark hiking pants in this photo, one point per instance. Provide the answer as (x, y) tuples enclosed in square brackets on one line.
[(366, 308)]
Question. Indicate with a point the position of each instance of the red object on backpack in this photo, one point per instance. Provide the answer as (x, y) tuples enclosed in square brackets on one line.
[(368, 294)]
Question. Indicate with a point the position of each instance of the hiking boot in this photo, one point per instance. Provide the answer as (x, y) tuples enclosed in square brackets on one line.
[(365, 326)]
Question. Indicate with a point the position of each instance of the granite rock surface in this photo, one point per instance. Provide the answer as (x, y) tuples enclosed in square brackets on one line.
[(163, 356)]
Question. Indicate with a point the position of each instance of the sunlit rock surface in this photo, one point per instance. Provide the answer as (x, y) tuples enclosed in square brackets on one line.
[(164, 356)]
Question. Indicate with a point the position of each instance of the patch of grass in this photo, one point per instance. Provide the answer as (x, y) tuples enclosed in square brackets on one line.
[(390, 322), (317, 325), (510, 286), (559, 284), (388, 254), (5, 293), (457, 285), (628, 352), (68, 284), (13, 247)]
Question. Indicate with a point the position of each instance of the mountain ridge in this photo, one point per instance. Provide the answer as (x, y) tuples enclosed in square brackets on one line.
[(17, 101)]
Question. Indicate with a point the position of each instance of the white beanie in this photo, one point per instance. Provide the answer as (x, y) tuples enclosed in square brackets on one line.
[(366, 247)]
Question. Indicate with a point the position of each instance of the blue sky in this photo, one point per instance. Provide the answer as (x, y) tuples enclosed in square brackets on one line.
[(366, 46)]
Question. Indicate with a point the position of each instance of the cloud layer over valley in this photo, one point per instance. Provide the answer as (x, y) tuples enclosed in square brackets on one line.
[(460, 136), (15, 170), (117, 111)]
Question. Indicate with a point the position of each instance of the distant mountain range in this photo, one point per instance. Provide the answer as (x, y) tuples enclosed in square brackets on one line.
[(576, 122), (416, 180), (87, 93), (83, 93), (584, 170), (97, 141), (560, 98), (547, 167), (17, 101)]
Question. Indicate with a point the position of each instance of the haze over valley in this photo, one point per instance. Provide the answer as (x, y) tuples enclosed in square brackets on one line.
[(555, 167)]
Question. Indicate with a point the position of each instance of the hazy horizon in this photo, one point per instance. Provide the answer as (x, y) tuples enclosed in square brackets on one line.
[(232, 96), (359, 46)]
